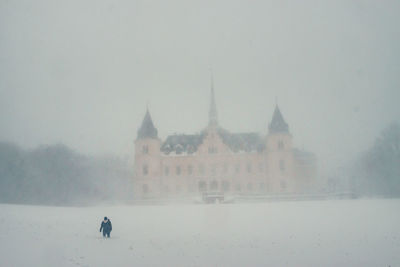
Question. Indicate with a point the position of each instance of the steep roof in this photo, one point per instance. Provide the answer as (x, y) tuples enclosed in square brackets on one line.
[(238, 142), (182, 143), (147, 130), (278, 124)]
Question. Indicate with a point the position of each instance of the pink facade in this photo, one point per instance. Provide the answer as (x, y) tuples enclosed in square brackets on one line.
[(217, 160)]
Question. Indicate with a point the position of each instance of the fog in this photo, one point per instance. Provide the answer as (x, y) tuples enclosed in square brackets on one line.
[(82, 73), (76, 80)]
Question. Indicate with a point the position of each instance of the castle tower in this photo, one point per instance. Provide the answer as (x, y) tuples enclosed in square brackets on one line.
[(147, 159), (280, 154)]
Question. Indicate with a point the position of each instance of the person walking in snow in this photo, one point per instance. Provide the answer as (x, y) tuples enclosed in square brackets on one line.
[(106, 226)]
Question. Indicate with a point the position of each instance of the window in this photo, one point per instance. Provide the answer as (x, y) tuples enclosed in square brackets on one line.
[(145, 149), (145, 188), (248, 167), (280, 145), (178, 170), (237, 168), (179, 149), (190, 169), (166, 171), (282, 165), (145, 169)]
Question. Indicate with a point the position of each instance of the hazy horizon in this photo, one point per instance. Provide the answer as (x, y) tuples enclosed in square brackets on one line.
[(82, 73)]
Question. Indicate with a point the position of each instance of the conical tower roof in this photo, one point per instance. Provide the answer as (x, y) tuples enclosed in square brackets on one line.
[(278, 124), (147, 130)]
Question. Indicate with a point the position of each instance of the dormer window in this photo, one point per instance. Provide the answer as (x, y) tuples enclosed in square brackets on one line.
[(179, 149), (190, 149)]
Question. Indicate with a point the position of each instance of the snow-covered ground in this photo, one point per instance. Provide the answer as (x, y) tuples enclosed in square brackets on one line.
[(308, 233)]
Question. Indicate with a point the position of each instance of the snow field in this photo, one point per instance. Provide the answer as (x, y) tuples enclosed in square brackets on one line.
[(307, 233)]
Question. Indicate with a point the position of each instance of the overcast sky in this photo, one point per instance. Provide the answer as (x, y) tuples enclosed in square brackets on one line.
[(81, 72)]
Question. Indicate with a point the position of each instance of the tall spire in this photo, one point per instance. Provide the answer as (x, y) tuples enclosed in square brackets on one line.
[(147, 130), (278, 124), (212, 114)]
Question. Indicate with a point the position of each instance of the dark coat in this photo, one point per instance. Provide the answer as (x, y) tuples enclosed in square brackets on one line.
[(106, 226)]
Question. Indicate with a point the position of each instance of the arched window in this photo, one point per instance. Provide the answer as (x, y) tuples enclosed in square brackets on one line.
[(145, 149)]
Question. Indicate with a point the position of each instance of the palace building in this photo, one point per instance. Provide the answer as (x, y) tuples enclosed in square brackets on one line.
[(216, 160)]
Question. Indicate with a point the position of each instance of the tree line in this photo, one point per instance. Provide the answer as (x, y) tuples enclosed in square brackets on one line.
[(377, 171), (57, 175)]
